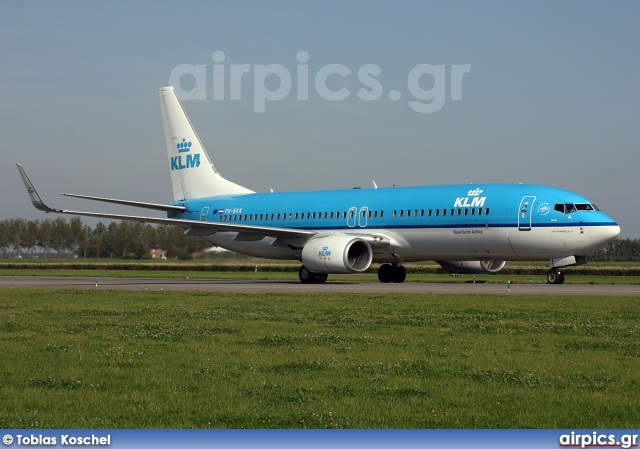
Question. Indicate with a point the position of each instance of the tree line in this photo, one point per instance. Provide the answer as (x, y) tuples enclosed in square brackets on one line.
[(59, 237), (620, 250)]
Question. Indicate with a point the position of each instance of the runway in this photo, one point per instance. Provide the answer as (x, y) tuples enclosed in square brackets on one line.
[(296, 287)]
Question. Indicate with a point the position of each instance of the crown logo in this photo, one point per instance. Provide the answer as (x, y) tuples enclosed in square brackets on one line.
[(184, 146), (475, 192)]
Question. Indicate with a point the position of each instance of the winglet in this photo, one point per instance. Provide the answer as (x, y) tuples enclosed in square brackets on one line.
[(33, 194)]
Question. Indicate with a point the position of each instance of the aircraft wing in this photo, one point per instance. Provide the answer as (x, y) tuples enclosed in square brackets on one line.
[(161, 207), (197, 227)]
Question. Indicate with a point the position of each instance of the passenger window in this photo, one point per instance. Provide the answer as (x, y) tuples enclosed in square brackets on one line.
[(393, 214), (437, 212), (486, 211), (466, 212), (401, 213), (459, 212), (381, 213)]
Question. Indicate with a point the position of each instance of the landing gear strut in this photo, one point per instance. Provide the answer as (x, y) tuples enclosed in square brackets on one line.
[(392, 273), (309, 277), (555, 277)]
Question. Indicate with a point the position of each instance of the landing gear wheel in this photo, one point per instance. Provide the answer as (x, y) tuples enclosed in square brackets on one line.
[(321, 278), (385, 273), (306, 276), (392, 273), (555, 277), (399, 274)]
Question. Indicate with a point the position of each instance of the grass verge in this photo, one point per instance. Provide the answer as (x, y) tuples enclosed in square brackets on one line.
[(123, 359)]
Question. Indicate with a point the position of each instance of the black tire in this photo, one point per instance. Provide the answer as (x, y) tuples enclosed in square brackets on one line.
[(306, 276), (321, 278), (555, 277), (385, 273), (561, 281), (399, 274)]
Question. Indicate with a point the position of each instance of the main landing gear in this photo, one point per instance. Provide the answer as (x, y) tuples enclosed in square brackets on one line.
[(555, 277), (309, 277), (386, 273), (392, 273)]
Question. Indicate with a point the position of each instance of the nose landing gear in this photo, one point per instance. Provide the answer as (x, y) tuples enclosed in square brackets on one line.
[(555, 277)]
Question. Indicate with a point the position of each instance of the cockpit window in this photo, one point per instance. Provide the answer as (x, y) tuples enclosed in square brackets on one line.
[(567, 208)]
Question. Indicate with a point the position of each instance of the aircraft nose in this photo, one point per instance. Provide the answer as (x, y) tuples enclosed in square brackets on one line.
[(604, 234)]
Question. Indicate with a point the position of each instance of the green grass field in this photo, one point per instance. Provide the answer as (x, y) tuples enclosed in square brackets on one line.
[(123, 359), (293, 276)]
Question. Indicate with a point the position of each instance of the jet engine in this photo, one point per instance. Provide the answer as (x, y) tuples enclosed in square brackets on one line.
[(338, 254), (472, 267)]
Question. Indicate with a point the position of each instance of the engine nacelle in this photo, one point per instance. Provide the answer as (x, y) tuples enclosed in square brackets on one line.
[(472, 267), (337, 254)]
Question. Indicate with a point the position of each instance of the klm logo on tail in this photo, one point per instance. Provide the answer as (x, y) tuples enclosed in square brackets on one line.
[(189, 161)]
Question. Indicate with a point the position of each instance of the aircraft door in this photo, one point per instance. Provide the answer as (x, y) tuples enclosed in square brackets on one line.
[(524, 213), (204, 213), (351, 217), (363, 217)]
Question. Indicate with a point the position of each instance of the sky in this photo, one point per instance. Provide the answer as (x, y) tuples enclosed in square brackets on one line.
[(336, 94)]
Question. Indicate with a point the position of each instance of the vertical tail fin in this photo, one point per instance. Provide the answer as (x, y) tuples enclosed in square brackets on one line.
[(192, 172)]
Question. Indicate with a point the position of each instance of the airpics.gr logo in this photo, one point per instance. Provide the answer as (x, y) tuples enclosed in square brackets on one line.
[(189, 161), (474, 196)]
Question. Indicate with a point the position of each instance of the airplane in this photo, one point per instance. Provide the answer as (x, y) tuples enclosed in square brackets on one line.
[(466, 228)]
